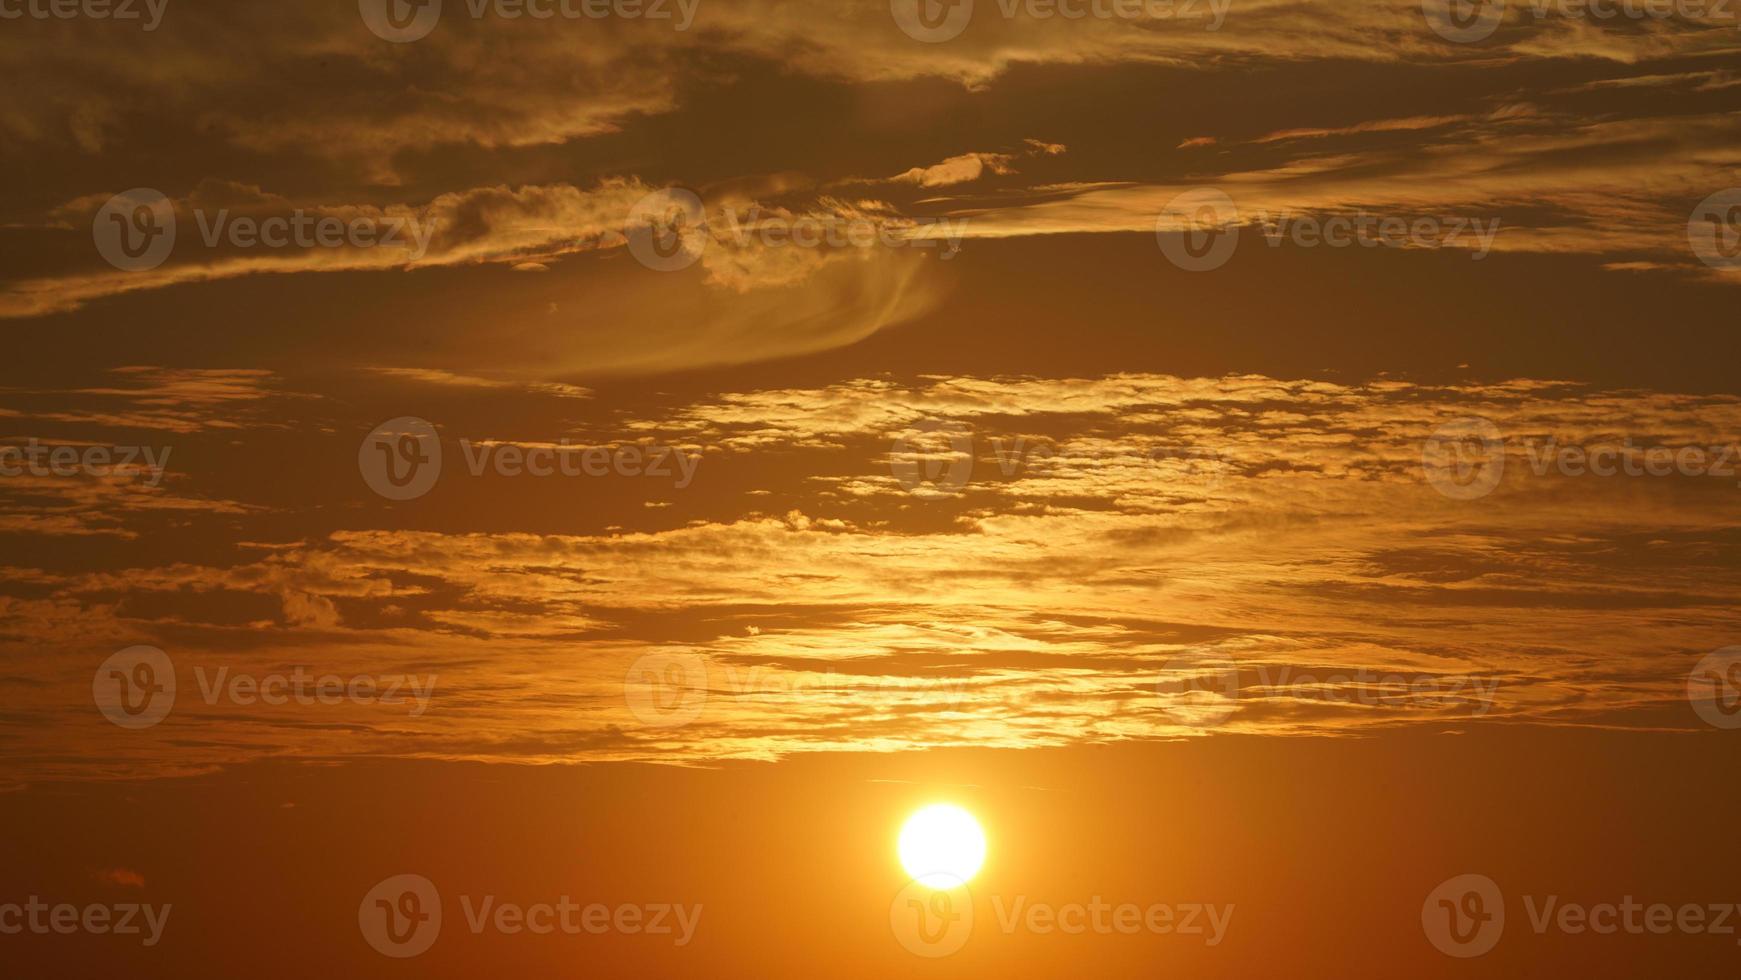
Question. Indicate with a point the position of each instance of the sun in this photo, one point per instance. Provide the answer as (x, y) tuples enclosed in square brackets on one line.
[(942, 846)]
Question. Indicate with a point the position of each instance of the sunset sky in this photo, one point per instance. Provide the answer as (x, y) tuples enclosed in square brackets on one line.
[(1271, 455)]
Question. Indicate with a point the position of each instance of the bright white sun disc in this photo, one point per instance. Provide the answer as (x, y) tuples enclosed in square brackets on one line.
[(942, 846)]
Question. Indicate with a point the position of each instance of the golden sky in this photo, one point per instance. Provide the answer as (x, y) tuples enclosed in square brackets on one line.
[(917, 433)]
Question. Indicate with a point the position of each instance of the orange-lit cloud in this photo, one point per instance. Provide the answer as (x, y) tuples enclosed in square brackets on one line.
[(1118, 541)]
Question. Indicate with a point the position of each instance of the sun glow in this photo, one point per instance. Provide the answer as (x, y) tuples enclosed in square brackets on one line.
[(942, 846)]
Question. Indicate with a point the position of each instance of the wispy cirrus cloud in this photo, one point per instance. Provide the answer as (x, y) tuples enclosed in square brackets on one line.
[(176, 400)]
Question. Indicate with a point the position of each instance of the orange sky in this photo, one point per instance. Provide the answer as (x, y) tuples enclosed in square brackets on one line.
[(1176, 433)]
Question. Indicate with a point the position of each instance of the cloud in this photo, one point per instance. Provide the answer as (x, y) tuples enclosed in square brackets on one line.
[(1117, 537), (177, 400), (122, 877), (1405, 125), (968, 167), (1604, 187), (493, 226), (448, 379), (482, 225), (959, 169)]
